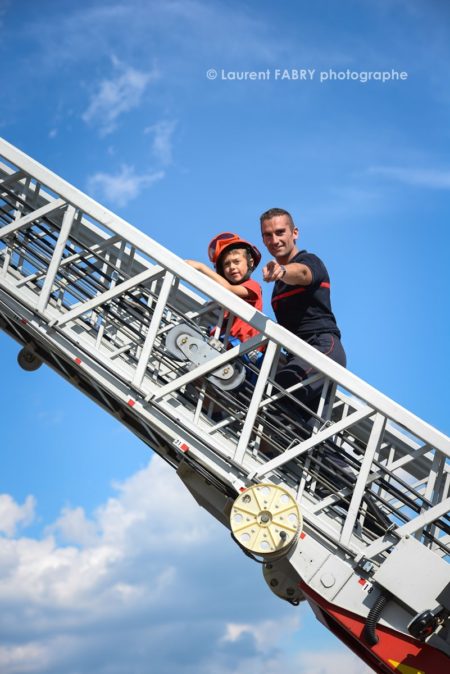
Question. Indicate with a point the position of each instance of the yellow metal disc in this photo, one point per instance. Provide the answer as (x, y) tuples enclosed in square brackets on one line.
[(265, 519)]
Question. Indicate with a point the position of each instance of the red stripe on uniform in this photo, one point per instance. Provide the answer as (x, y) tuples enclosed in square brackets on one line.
[(302, 289), (289, 293)]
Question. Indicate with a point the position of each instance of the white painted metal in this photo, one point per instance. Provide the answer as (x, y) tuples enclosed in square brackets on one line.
[(153, 329), (255, 402), (360, 485), (31, 217), (96, 298), (56, 258)]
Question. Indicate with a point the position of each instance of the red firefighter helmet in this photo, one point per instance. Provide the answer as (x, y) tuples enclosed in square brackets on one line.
[(222, 242)]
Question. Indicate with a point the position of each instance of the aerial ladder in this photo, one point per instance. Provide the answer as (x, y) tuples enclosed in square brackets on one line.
[(345, 506)]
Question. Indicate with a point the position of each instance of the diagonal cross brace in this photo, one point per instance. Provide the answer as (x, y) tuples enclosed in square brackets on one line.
[(31, 217), (58, 252), (84, 255), (316, 439), (255, 401), (108, 295), (153, 329), (363, 475), (12, 178), (427, 517)]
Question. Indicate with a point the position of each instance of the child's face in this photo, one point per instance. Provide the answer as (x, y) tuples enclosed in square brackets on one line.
[(235, 265)]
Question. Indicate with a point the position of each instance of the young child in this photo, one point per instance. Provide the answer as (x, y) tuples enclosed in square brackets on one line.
[(234, 260)]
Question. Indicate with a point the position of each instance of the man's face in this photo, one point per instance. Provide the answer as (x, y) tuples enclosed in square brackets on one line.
[(278, 237)]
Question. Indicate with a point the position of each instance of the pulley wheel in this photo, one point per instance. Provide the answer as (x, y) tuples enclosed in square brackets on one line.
[(177, 332), (28, 360), (265, 520)]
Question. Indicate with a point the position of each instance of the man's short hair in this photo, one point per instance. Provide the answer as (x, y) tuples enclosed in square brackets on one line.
[(273, 213)]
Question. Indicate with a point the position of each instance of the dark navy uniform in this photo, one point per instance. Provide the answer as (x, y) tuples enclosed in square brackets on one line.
[(306, 311)]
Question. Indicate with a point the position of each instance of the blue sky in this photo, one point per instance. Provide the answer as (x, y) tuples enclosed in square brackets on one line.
[(115, 98)]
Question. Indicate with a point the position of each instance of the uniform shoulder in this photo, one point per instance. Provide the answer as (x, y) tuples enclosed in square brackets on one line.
[(306, 255), (314, 263)]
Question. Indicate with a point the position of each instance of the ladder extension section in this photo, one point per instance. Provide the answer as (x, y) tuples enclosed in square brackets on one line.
[(137, 329)]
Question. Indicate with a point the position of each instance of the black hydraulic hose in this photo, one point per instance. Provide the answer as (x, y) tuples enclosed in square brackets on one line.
[(369, 633)]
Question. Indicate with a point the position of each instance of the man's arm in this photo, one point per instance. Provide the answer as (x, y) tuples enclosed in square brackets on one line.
[(294, 274)]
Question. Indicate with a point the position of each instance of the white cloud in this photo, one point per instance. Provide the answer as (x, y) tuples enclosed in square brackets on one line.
[(27, 658), (266, 633), (321, 662), (13, 515), (116, 96), (74, 527), (162, 140), (122, 567), (434, 178), (189, 28), (122, 187), (150, 577)]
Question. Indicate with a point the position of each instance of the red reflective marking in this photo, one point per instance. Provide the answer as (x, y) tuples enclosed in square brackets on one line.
[(131, 402), (23, 321), (78, 361), (296, 291), (362, 581), (184, 447), (302, 535), (241, 489)]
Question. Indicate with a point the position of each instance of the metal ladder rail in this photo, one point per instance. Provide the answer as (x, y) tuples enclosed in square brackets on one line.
[(63, 181), (219, 300), (371, 432)]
